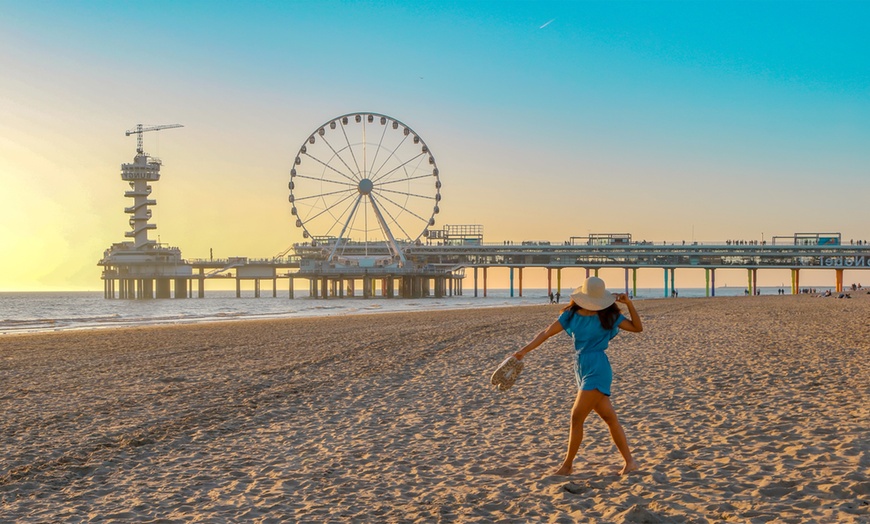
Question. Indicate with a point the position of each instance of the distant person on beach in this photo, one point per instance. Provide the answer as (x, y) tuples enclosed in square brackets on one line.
[(592, 318)]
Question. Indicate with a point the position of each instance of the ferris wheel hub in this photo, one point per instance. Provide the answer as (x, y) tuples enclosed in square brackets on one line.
[(365, 186)]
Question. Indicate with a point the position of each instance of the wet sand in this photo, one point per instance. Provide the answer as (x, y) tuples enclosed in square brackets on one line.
[(743, 409)]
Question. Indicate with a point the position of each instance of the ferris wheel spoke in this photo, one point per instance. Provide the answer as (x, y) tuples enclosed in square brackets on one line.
[(351, 218), (398, 180), (350, 213), (341, 191), (376, 174), (400, 166), (318, 179), (380, 144), (350, 148), (405, 193), (400, 206), (340, 158), (308, 219), (392, 218), (365, 150), (324, 164)]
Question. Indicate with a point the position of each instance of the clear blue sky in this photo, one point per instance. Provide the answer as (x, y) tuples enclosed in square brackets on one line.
[(669, 120)]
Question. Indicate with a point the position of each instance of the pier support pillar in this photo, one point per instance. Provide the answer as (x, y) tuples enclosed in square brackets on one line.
[(484, 282), (238, 288), (626, 281), (587, 272), (706, 282), (839, 280), (559, 281), (475, 282), (181, 288), (795, 281), (521, 282), (290, 287), (163, 288), (148, 288), (667, 274), (549, 281), (511, 272), (634, 282), (713, 282)]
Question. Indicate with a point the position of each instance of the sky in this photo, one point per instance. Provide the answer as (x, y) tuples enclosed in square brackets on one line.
[(672, 121)]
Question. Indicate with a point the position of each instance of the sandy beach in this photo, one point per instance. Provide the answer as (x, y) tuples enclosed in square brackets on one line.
[(744, 409)]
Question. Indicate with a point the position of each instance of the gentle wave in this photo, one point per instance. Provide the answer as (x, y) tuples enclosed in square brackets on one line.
[(60, 311)]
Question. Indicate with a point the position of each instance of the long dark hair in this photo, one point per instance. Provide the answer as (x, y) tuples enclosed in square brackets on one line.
[(606, 316)]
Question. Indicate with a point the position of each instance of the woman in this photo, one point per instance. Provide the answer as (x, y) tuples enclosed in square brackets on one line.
[(592, 319)]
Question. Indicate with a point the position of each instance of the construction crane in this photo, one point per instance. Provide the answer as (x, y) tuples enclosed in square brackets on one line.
[(141, 129)]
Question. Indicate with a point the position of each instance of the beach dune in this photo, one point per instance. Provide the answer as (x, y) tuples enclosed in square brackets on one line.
[(743, 409)]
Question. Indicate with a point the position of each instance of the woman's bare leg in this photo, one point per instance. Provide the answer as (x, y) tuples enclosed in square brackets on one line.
[(583, 405), (605, 410)]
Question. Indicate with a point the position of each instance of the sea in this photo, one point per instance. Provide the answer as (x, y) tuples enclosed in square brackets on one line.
[(36, 312)]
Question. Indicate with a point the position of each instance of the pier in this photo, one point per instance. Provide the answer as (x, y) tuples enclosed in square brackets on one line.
[(358, 197), (441, 270)]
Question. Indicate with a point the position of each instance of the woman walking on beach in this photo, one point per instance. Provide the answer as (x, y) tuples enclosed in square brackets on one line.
[(592, 318)]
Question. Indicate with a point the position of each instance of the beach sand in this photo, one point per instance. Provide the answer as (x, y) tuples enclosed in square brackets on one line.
[(743, 409)]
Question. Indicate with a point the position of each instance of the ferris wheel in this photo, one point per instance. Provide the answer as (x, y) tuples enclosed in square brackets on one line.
[(363, 181)]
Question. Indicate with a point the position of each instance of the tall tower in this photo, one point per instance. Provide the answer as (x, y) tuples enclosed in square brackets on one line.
[(143, 268), (139, 174)]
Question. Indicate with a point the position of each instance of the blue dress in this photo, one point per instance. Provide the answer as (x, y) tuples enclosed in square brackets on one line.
[(591, 367)]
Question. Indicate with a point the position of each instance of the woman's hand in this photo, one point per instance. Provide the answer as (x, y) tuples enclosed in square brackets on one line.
[(633, 324), (622, 298)]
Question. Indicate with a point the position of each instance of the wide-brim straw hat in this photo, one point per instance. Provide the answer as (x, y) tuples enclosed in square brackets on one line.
[(593, 295)]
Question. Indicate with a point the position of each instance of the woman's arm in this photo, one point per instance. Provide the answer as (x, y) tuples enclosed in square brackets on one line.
[(539, 339), (635, 325)]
